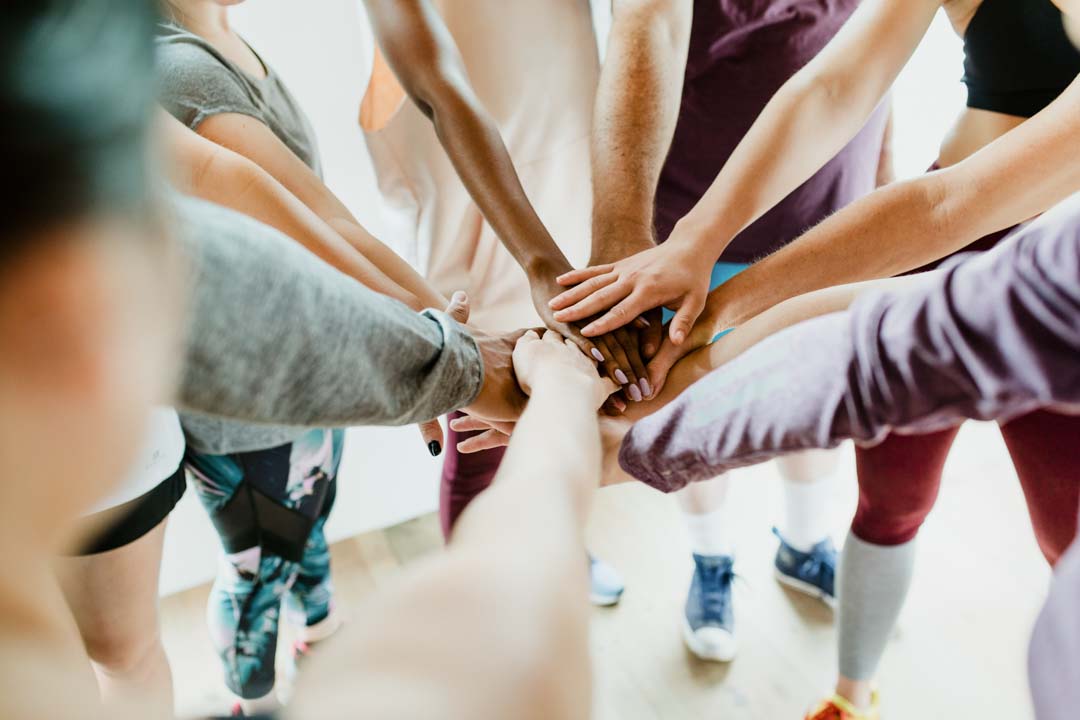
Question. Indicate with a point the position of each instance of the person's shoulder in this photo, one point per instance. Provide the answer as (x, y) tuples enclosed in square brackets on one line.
[(195, 80)]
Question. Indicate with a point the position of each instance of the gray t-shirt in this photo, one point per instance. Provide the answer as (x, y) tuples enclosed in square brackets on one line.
[(198, 82), (276, 335)]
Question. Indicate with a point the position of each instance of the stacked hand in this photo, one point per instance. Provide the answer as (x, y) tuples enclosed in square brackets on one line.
[(673, 274), (536, 361), (623, 352)]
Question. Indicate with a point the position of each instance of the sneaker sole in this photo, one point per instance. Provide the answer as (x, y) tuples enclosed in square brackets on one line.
[(604, 600), (725, 654), (805, 588)]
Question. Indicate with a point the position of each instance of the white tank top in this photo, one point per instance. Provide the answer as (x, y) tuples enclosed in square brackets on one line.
[(160, 455)]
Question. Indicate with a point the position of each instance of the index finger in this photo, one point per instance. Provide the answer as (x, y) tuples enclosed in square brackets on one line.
[(573, 277)]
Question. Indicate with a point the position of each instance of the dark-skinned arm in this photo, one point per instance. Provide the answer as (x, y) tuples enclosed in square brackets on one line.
[(420, 50)]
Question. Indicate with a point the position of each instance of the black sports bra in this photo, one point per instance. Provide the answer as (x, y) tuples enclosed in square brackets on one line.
[(1017, 57)]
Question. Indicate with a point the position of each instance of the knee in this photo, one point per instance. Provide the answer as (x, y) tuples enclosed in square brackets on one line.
[(125, 652), (891, 518)]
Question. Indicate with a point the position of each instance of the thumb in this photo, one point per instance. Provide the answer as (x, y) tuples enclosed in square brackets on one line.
[(659, 367), (431, 432), (685, 317), (459, 307)]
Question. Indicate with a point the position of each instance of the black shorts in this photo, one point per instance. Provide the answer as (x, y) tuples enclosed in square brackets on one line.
[(128, 522)]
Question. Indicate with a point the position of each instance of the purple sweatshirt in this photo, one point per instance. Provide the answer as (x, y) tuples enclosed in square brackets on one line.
[(740, 53), (990, 338)]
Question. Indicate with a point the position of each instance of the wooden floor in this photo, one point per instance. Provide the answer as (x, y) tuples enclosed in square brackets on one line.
[(959, 652)]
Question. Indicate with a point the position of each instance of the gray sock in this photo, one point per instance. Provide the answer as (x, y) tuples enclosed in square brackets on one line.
[(873, 582)]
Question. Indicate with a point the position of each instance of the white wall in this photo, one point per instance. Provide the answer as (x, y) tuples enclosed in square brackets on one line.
[(322, 50)]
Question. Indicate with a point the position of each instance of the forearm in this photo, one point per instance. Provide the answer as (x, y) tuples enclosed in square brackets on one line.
[(894, 229), (550, 467), (391, 264), (422, 53), (277, 337), (231, 180), (637, 107), (993, 338), (811, 118)]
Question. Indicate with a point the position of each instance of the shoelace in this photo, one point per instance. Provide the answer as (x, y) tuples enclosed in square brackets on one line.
[(820, 564), (716, 603)]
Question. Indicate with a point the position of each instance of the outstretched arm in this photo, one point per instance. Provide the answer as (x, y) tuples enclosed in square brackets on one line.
[(809, 120), (473, 633), (235, 161), (992, 338), (423, 55)]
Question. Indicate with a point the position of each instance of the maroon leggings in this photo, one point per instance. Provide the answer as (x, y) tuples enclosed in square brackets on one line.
[(464, 476), (899, 480)]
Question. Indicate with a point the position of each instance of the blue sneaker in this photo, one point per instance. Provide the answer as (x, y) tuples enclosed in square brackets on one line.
[(709, 623), (813, 573), (605, 585)]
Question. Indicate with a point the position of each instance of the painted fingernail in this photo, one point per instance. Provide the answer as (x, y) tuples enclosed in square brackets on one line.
[(621, 377), (619, 404), (597, 356), (434, 448), (635, 394), (644, 322), (646, 388)]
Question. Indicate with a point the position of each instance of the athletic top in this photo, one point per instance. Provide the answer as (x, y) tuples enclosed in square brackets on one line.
[(159, 456), (741, 52), (991, 338), (198, 82), (1017, 57)]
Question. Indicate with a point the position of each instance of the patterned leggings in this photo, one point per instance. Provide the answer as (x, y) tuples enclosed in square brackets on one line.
[(269, 508)]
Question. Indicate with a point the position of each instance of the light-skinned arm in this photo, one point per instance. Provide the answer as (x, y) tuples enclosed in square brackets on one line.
[(637, 107), (473, 633), (813, 115), (236, 161), (421, 51)]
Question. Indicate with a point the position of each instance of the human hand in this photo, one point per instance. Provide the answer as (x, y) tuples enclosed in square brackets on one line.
[(620, 353), (555, 360), (672, 274)]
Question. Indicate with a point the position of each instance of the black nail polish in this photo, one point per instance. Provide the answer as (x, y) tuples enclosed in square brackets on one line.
[(434, 448)]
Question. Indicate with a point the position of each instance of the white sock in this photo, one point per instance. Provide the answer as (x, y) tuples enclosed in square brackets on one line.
[(808, 516), (710, 533)]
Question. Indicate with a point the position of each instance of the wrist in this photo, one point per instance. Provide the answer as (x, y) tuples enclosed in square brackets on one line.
[(707, 236), (568, 382), (618, 237)]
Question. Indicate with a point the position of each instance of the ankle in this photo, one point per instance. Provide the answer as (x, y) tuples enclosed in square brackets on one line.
[(859, 693)]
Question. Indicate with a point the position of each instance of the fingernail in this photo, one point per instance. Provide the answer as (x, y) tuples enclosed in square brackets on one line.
[(646, 388), (434, 448), (458, 296), (645, 322), (619, 404), (649, 349), (679, 337), (621, 377), (551, 303), (635, 394), (597, 355)]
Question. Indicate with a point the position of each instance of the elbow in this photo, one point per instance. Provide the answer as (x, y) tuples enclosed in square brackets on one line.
[(672, 17)]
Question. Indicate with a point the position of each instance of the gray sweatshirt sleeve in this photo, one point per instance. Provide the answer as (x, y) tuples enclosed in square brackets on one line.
[(277, 336), (992, 338)]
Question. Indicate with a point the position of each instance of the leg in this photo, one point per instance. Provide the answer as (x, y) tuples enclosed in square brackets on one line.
[(709, 621), (114, 598), (898, 485), (1045, 450), (806, 558), (463, 477)]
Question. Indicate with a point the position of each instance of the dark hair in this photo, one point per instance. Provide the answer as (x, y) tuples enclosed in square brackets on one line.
[(77, 88)]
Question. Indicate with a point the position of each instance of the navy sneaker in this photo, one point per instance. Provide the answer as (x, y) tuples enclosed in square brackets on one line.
[(605, 585), (813, 573), (709, 623)]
